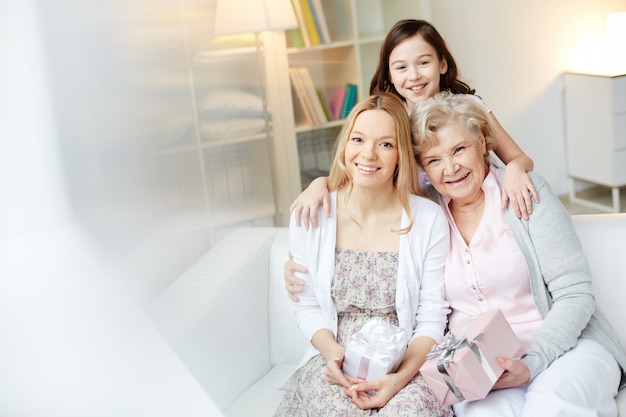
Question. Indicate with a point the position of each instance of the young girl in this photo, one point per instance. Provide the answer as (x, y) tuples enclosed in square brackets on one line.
[(380, 254), (415, 64)]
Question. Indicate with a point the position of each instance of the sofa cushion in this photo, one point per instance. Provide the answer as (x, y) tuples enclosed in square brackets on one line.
[(215, 315), (602, 238), (262, 399), (75, 343)]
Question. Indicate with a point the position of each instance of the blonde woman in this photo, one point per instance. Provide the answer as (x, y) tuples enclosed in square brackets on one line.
[(380, 253)]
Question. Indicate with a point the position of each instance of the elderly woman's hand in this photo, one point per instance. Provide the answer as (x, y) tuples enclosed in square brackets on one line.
[(516, 373), (293, 285)]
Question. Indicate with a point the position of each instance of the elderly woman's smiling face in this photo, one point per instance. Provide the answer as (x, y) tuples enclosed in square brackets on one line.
[(456, 164)]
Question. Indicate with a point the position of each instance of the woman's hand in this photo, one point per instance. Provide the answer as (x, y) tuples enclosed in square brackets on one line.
[(384, 389), (387, 386), (516, 373), (333, 372), (324, 341), (517, 189), (293, 285), (306, 205)]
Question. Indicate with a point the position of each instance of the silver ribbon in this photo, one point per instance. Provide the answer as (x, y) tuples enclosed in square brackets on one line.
[(445, 351)]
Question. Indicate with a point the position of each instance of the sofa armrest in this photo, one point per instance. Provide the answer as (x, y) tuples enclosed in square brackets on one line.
[(603, 237), (215, 316)]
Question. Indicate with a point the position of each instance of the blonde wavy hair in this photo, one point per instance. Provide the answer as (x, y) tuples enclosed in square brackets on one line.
[(444, 108)]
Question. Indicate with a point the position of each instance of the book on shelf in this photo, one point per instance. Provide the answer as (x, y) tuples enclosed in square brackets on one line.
[(350, 99), (336, 102), (297, 8), (309, 22), (311, 92), (300, 113), (302, 26), (322, 100), (294, 38), (304, 113), (317, 9)]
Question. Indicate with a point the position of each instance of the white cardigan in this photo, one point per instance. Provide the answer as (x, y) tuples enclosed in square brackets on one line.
[(420, 303)]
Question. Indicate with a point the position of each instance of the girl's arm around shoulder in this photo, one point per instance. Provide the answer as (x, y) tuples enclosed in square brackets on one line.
[(517, 188), (306, 205)]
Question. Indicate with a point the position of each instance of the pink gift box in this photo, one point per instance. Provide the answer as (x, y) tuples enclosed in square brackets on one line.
[(464, 366), (375, 350)]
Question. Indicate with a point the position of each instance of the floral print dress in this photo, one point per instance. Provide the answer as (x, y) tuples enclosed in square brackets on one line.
[(364, 287)]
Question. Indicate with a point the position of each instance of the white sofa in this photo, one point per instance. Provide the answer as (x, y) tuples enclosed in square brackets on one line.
[(231, 323), (74, 343)]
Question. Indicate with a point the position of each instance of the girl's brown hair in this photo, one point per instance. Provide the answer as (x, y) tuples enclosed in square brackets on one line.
[(401, 31)]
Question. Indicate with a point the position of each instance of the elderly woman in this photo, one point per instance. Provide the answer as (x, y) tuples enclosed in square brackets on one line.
[(570, 363)]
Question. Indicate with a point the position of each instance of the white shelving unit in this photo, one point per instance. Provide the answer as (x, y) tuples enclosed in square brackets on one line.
[(215, 180), (144, 175), (595, 116), (225, 164)]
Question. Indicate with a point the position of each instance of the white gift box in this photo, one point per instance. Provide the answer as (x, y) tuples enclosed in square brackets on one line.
[(375, 350)]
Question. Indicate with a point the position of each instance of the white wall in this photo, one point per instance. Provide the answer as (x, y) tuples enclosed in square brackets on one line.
[(73, 343), (82, 117), (32, 190), (513, 53)]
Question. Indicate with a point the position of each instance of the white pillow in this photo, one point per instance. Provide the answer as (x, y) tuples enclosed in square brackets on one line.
[(229, 128), (231, 102), (173, 129)]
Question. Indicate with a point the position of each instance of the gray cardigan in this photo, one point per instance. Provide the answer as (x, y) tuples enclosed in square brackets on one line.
[(560, 280)]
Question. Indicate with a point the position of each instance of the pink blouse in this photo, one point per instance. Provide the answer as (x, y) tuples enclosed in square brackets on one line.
[(491, 271)]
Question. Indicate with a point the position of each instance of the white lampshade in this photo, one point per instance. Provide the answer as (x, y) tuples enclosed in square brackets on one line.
[(603, 55), (250, 16), (616, 42), (616, 28)]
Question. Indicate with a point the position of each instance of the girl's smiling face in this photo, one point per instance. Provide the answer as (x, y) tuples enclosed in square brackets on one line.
[(415, 70)]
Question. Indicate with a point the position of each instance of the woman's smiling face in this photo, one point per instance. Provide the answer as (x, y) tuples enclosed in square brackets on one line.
[(371, 153), (456, 164)]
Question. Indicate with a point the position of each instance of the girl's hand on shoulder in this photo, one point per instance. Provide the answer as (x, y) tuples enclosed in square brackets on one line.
[(293, 285), (518, 190), (306, 205)]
